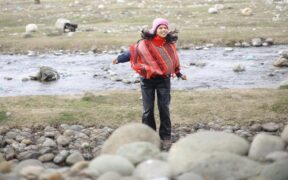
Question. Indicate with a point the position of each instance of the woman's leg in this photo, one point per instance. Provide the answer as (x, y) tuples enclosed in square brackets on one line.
[(148, 98), (163, 99)]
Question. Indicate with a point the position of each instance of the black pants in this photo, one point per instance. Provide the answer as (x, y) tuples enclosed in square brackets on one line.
[(162, 87)]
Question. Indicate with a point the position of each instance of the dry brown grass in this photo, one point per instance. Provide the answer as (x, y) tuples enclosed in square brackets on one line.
[(191, 18), (117, 108)]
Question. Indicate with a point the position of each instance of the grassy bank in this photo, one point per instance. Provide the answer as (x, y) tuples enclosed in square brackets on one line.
[(117, 108), (106, 25)]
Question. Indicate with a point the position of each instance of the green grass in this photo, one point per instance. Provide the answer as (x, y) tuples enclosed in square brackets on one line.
[(3, 116), (117, 108)]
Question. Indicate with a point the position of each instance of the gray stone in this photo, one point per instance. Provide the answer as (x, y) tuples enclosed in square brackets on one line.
[(263, 144), (270, 127), (51, 175), (277, 156), (116, 163), (49, 143), (61, 157), (28, 155), (195, 147), (63, 140), (129, 133), (189, 176), (46, 157), (31, 172), (152, 169), (281, 62), (110, 176), (284, 54), (25, 163), (276, 171), (74, 158), (221, 166), (77, 167), (256, 42), (138, 151), (256, 127)]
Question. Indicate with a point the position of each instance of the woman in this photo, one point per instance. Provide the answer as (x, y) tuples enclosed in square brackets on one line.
[(155, 59)]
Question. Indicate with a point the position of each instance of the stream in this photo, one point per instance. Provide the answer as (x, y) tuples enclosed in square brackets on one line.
[(208, 68)]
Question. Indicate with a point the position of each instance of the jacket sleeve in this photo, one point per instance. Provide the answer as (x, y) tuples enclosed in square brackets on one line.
[(124, 57)]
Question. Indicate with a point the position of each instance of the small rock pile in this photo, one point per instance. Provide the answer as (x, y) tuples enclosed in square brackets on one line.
[(132, 152)]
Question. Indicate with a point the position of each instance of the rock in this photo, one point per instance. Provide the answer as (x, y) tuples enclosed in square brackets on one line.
[(46, 74), (284, 54), (152, 169), (138, 151), (277, 156), (255, 127), (5, 167), (60, 24), (212, 10), (239, 68), (269, 41), (246, 11), (221, 166), (276, 171), (228, 49), (8, 78), (30, 162), (110, 176), (46, 157), (77, 167), (189, 176), (257, 42), (129, 133), (195, 147), (31, 28), (263, 144), (51, 175), (61, 157), (31, 172), (49, 143), (63, 140), (28, 155), (281, 62), (116, 163), (270, 127), (74, 158)]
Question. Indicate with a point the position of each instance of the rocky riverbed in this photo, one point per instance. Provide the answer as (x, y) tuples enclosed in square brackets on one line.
[(200, 151)]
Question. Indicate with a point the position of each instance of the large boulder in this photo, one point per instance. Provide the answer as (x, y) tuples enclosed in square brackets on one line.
[(185, 153), (46, 74), (60, 24), (134, 132), (106, 163), (263, 144), (219, 166)]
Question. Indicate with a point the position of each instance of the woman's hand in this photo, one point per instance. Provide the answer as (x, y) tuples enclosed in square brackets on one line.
[(114, 61), (184, 77)]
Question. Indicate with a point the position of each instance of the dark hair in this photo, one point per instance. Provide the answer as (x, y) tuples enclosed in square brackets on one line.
[(171, 37)]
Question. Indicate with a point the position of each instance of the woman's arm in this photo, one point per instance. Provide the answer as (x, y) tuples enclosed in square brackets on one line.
[(122, 58)]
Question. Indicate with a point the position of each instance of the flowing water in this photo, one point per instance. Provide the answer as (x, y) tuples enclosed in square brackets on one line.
[(211, 69)]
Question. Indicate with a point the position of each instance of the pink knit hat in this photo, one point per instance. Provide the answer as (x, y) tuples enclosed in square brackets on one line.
[(157, 22)]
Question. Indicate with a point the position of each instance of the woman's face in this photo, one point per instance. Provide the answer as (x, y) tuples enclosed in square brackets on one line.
[(162, 31)]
